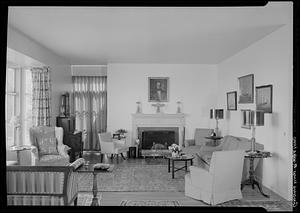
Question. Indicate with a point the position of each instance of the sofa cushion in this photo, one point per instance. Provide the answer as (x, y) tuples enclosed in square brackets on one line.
[(191, 149)]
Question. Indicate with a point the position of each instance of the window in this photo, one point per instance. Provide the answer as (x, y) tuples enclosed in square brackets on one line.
[(18, 98)]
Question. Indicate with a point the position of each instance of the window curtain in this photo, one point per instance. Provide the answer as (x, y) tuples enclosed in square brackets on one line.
[(90, 108), (41, 96)]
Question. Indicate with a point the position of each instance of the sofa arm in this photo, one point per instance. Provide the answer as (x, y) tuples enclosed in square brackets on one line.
[(210, 148), (189, 142)]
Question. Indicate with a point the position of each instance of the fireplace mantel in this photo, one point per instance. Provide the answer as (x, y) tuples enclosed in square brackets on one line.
[(158, 120)]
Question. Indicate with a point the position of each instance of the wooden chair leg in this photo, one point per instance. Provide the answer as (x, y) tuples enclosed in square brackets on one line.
[(111, 156), (75, 201), (117, 158), (123, 156)]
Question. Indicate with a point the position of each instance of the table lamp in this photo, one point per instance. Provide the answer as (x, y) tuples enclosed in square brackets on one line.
[(256, 119), (217, 114)]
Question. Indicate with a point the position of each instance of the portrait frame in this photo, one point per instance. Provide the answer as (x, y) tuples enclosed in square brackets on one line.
[(231, 100), (246, 89), (163, 95), (264, 98)]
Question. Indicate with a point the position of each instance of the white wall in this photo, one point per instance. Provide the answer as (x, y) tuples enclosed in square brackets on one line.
[(60, 75), (270, 60), (61, 70), (194, 85)]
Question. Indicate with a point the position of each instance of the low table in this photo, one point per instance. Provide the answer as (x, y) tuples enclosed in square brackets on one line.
[(90, 169), (184, 158)]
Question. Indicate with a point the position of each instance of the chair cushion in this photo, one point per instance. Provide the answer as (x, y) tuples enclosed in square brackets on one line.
[(46, 142)]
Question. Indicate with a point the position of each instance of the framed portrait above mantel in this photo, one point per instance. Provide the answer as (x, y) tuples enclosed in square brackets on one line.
[(158, 89), (246, 89), (231, 101), (264, 98)]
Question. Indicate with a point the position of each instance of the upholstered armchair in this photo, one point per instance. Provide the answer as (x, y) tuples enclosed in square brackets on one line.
[(221, 182), (47, 146), (111, 146), (42, 185)]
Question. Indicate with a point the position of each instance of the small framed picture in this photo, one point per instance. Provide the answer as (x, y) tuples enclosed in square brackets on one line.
[(231, 100), (264, 98), (246, 84), (246, 118), (158, 89)]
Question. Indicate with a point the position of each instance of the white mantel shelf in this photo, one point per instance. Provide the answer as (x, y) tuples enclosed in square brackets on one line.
[(158, 120)]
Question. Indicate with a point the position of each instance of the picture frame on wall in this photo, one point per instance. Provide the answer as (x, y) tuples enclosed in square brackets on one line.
[(158, 89), (246, 116), (246, 89), (231, 100), (264, 98)]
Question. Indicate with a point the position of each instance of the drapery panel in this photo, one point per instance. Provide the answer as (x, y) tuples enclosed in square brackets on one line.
[(41, 96), (90, 108)]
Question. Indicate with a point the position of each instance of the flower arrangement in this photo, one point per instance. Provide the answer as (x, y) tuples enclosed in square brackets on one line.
[(121, 131), (175, 148)]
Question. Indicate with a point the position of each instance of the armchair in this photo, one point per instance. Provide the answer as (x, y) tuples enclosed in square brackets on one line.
[(221, 182), (108, 145), (56, 154)]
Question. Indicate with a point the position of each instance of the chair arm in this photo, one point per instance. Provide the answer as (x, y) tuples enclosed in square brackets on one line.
[(189, 142), (35, 152), (63, 150), (201, 177)]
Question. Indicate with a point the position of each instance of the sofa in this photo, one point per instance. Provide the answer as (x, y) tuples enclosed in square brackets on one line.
[(43, 185), (228, 142)]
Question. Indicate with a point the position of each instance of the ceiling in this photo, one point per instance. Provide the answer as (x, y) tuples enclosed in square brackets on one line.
[(178, 35)]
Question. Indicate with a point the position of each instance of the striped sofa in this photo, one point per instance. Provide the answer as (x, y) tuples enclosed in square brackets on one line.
[(42, 185)]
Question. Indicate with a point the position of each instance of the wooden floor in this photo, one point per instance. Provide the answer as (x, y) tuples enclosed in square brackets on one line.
[(115, 198)]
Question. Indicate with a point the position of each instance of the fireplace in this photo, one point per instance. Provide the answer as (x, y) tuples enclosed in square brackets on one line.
[(157, 137), (156, 123)]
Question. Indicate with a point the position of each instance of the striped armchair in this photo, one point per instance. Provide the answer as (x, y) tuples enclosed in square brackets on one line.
[(42, 185)]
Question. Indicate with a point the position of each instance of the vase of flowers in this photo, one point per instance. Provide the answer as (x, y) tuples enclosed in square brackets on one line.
[(122, 133), (175, 150)]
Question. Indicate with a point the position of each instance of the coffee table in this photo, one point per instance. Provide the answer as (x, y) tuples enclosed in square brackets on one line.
[(184, 158), (90, 169)]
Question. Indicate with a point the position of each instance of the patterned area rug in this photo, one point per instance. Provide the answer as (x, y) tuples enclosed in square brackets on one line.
[(149, 203), (85, 199), (133, 178), (269, 205)]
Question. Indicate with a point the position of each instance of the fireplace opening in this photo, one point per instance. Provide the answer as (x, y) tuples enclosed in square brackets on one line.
[(157, 139)]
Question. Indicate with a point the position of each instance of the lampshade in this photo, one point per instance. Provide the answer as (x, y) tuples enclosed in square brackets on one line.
[(257, 118), (219, 113)]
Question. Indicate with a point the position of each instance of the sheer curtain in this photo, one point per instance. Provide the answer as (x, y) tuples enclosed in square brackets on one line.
[(41, 96), (90, 107)]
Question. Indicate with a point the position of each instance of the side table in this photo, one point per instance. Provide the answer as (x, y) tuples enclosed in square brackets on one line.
[(214, 138), (184, 158), (18, 149), (252, 181)]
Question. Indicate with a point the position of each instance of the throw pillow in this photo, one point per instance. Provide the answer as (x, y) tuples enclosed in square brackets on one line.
[(46, 141)]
